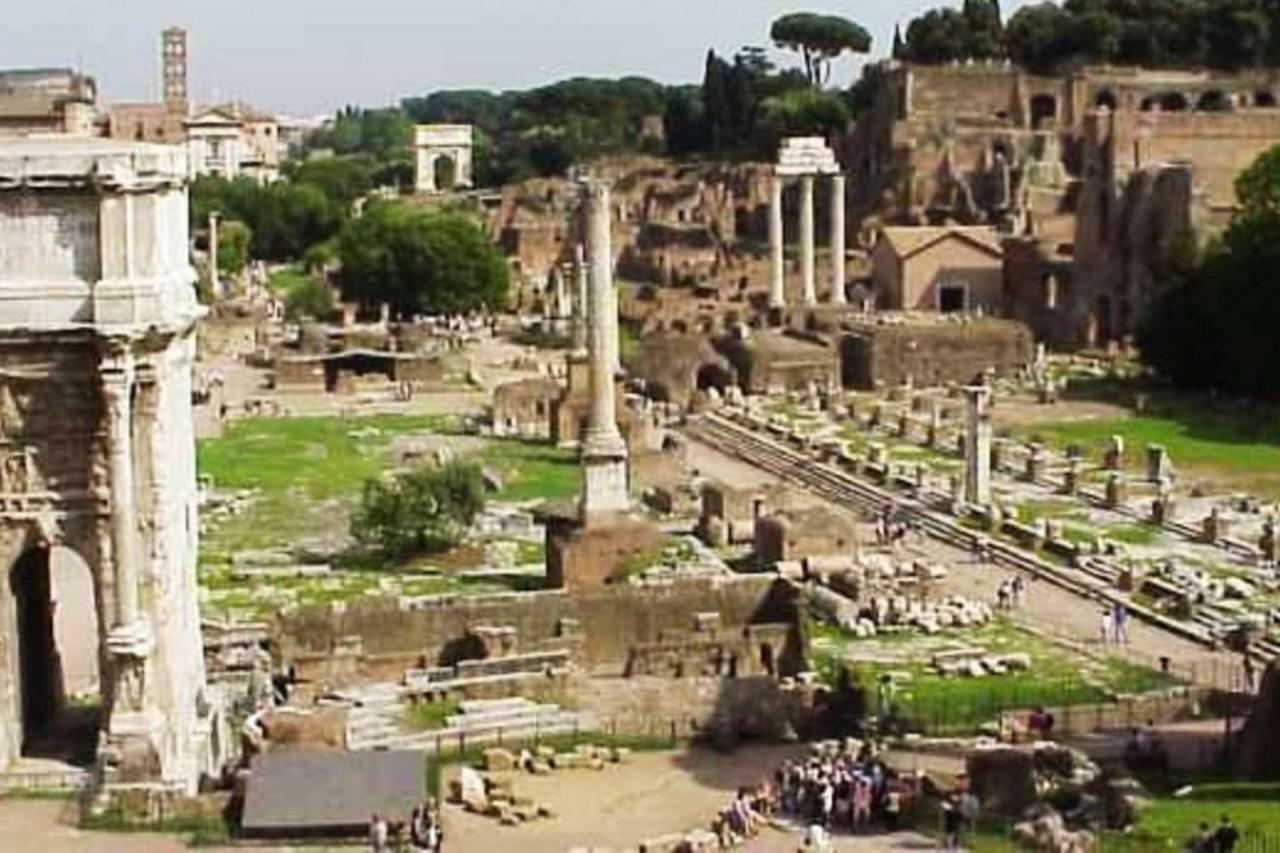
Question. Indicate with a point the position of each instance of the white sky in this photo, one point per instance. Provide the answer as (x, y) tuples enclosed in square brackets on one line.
[(310, 56)]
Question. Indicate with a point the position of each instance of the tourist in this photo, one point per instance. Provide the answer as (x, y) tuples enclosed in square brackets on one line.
[(1226, 836), (1249, 674), (1203, 841), (1106, 628), (892, 808), (1019, 591), (951, 823), (1002, 596), (1122, 624), (379, 834)]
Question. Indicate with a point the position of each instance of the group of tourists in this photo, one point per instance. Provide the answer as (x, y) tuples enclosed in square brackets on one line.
[(423, 831), (1214, 839), (1114, 627), (1011, 594), (839, 790)]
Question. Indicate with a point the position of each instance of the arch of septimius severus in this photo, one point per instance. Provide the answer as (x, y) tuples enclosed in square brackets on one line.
[(97, 454)]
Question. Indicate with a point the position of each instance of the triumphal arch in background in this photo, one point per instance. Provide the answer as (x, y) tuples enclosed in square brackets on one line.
[(442, 157), (98, 515)]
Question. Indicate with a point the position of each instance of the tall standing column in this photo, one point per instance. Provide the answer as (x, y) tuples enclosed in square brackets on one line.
[(977, 446), (777, 289), (604, 453), (215, 281), (118, 390), (837, 240), (581, 297), (806, 240)]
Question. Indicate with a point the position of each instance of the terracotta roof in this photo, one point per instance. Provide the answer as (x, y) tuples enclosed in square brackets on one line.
[(908, 240)]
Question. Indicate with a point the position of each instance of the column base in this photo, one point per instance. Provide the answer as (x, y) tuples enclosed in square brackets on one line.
[(604, 488)]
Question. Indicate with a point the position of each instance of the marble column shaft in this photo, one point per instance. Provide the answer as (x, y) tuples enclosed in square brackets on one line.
[(580, 302), (807, 241), (604, 452), (777, 288), (978, 434), (215, 280), (837, 240), (118, 388)]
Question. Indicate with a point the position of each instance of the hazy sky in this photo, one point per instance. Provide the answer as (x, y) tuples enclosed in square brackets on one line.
[(309, 56)]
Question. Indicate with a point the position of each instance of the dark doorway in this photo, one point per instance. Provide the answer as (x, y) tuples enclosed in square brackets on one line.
[(714, 376), (951, 298), (38, 665), (56, 725), (1044, 108), (766, 659), (1101, 332), (1106, 99)]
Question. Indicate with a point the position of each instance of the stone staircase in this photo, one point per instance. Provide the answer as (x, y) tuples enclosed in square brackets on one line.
[(376, 721), (44, 775)]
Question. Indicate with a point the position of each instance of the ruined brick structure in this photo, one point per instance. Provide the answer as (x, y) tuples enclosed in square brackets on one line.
[(1092, 177)]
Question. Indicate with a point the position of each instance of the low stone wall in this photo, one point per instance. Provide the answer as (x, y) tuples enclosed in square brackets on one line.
[(601, 627)]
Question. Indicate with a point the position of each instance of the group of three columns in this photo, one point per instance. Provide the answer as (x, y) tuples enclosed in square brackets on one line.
[(777, 291)]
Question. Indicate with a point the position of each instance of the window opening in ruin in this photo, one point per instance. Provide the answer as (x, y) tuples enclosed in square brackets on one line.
[(1106, 98), (1043, 108), (446, 172), (57, 641), (953, 297), (1174, 102), (1214, 101), (1264, 98), (766, 658)]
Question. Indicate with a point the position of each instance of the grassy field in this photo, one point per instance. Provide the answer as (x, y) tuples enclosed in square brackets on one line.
[(288, 278), (306, 474), (1058, 676), (1231, 449), (1171, 821)]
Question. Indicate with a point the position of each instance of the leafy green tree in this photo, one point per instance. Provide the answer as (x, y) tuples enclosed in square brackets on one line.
[(1212, 328), (419, 512), (819, 39), (420, 262), (938, 36), (233, 246), (1040, 36), (310, 300)]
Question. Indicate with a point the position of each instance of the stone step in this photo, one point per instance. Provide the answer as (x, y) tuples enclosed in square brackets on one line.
[(480, 706), (503, 715)]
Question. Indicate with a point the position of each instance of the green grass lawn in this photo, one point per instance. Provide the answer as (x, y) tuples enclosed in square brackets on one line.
[(288, 278), (533, 471), (1058, 677), (307, 474), (1235, 450), (297, 466), (1254, 808)]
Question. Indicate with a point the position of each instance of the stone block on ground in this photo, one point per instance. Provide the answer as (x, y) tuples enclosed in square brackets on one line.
[(499, 760), (1003, 780)]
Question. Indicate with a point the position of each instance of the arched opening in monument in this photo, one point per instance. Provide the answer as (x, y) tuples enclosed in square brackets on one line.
[(1174, 102), (1044, 108), (1105, 99), (1214, 101), (57, 641), (1264, 98), (446, 172), (767, 664), (714, 376)]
